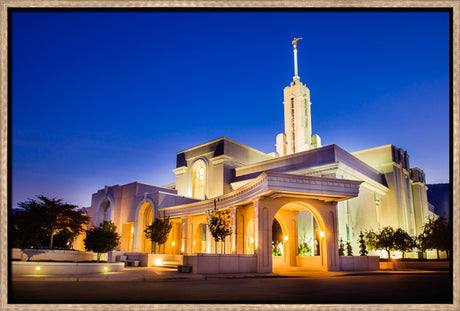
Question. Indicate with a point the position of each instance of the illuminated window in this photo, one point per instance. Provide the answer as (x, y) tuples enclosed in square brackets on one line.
[(199, 180)]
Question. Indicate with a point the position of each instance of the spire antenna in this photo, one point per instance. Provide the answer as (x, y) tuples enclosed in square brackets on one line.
[(294, 43)]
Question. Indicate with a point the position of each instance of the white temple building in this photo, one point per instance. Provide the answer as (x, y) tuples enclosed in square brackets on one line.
[(318, 195)]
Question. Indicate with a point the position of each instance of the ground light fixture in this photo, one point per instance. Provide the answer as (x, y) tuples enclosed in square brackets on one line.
[(158, 262)]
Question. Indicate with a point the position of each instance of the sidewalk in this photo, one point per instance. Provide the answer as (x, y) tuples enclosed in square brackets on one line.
[(131, 274)]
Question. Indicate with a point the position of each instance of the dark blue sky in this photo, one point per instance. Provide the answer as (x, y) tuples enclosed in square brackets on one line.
[(104, 98)]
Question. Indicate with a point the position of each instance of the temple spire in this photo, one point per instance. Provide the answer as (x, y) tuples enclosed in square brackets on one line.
[(296, 74)]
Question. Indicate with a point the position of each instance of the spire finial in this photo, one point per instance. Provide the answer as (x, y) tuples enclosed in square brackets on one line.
[(294, 43)]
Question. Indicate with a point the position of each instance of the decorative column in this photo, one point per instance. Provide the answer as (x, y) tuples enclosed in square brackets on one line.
[(234, 227), (263, 235), (187, 235), (209, 239), (329, 247)]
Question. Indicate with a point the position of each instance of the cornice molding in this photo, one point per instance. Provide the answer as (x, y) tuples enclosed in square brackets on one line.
[(272, 184)]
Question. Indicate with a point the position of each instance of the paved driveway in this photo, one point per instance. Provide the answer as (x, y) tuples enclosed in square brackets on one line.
[(304, 287)]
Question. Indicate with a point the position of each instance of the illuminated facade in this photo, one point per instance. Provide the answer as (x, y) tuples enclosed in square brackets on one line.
[(317, 194)]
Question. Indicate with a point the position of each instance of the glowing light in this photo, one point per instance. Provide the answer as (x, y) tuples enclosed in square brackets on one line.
[(37, 268), (321, 234), (105, 268), (193, 242), (285, 238), (173, 243), (158, 262), (252, 240), (182, 249), (132, 229)]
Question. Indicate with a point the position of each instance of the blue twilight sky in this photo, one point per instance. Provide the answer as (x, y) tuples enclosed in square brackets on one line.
[(105, 98)]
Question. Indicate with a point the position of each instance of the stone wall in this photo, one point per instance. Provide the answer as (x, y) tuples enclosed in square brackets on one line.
[(50, 255), (221, 263), (71, 268), (359, 263)]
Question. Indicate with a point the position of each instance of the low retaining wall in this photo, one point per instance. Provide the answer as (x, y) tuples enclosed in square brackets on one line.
[(278, 261), (177, 259), (50, 255), (221, 263), (53, 268), (145, 260), (311, 262), (359, 263), (425, 265)]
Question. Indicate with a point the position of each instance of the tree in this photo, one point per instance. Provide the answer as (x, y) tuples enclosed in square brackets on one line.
[(102, 239), (349, 249), (403, 241), (219, 224), (158, 232), (436, 235), (362, 245), (341, 248), (37, 222), (381, 240)]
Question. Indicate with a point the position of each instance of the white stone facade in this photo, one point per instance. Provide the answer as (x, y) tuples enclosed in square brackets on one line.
[(316, 194)]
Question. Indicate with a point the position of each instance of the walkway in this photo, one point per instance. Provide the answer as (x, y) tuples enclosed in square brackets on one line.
[(131, 274)]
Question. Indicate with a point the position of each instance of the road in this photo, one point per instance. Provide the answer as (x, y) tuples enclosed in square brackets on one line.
[(359, 288)]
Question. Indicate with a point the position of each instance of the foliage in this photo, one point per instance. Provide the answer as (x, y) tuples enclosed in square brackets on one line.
[(219, 224), (341, 248), (349, 249), (436, 235), (102, 239), (158, 232), (381, 240), (362, 245), (38, 222), (390, 240), (304, 248), (277, 248), (403, 241)]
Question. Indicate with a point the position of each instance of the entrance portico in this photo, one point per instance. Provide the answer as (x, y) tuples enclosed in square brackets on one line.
[(254, 206)]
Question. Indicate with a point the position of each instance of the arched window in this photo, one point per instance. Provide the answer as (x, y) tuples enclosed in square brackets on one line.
[(199, 180)]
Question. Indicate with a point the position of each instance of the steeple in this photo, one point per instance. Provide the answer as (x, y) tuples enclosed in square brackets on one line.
[(297, 136)]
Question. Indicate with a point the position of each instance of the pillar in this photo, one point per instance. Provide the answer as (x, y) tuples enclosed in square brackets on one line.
[(263, 217), (234, 219), (329, 247)]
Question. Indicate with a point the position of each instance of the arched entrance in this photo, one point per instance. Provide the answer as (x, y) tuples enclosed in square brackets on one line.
[(285, 211), (199, 238), (145, 216)]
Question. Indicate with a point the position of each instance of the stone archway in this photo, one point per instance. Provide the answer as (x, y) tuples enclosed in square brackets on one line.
[(105, 210), (265, 210), (145, 215)]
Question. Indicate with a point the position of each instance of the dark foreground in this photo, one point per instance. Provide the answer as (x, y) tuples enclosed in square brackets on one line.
[(396, 288)]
